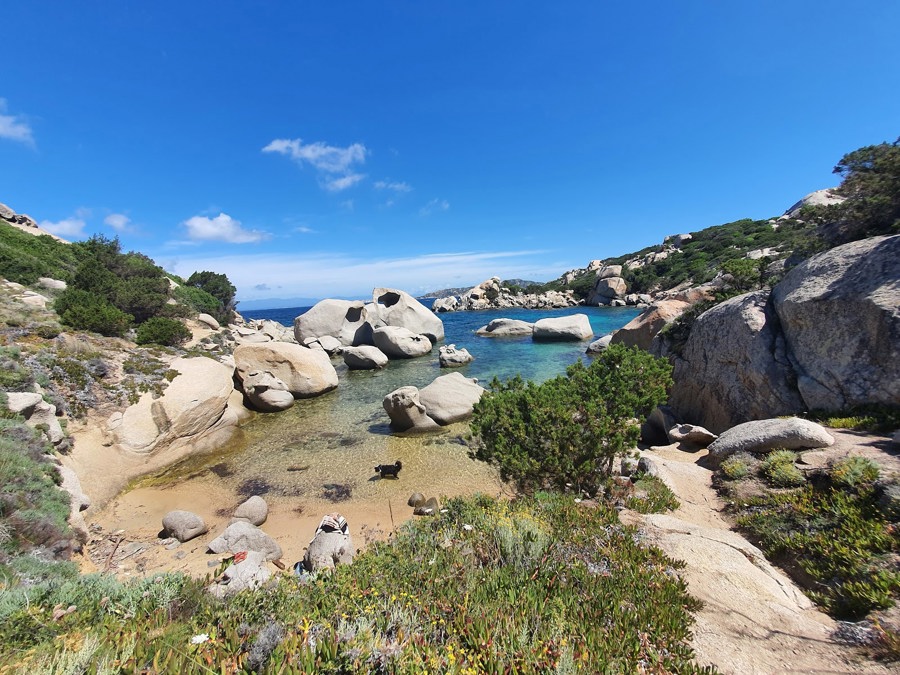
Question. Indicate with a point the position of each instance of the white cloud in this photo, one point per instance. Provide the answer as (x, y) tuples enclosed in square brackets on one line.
[(324, 157), (335, 164), (118, 221), (13, 127), (342, 183), (303, 229), (433, 206), (68, 227), (332, 274), (221, 228), (396, 186)]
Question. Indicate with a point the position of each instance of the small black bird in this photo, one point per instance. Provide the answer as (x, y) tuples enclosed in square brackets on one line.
[(386, 470)]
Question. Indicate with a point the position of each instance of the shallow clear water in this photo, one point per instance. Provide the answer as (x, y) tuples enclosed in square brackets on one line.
[(326, 447)]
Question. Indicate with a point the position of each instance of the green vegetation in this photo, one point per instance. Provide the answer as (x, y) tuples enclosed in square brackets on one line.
[(874, 418), (24, 257), (160, 330), (738, 466), (219, 287), (778, 469), (567, 431), (534, 586)]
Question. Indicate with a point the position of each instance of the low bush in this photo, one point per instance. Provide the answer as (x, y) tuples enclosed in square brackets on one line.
[(778, 469), (738, 466), (854, 473), (162, 331)]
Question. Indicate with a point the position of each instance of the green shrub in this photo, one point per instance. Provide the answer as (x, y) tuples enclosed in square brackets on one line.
[(84, 310), (162, 331), (651, 495), (737, 466), (569, 429), (854, 472), (778, 469)]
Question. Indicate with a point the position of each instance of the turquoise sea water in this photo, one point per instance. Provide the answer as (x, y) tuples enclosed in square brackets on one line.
[(326, 447)]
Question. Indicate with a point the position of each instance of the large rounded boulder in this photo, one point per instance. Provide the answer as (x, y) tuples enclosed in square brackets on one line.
[(401, 343), (564, 328), (364, 357), (406, 411), (267, 393), (840, 314), (305, 372), (506, 328), (450, 398), (640, 331), (346, 320), (398, 308)]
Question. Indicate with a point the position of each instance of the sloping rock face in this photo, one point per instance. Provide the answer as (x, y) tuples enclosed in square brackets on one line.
[(840, 313), (345, 320), (193, 403), (640, 331), (398, 308), (734, 367), (305, 372), (824, 197), (765, 435)]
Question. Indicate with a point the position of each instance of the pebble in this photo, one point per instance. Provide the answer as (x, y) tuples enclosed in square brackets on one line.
[(179, 555)]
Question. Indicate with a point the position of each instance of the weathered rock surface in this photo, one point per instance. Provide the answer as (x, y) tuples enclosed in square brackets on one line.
[(451, 357), (599, 345), (364, 357), (38, 414), (401, 343), (840, 314), (640, 331), (266, 392), (691, 433), (193, 403), (429, 507), (563, 328), (824, 197), (491, 294), (606, 290), (327, 550), (450, 398), (306, 372), (242, 536), (346, 320), (734, 367), (506, 328), (52, 284), (251, 572), (406, 410), (765, 435), (254, 511), (209, 321), (398, 308), (183, 525)]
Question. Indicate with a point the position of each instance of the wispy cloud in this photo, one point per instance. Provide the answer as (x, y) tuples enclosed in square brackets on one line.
[(330, 274), (222, 228), (68, 227), (303, 229), (396, 186), (118, 221), (334, 164), (342, 183), (14, 127), (434, 206)]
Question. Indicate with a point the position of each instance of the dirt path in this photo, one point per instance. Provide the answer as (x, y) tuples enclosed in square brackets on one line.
[(754, 618)]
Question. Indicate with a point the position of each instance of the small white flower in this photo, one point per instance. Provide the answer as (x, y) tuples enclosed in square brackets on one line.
[(577, 501), (199, 639), (468, 528), (445, 510)]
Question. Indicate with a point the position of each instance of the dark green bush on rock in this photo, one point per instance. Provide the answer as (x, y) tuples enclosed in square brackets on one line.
[(162, 331), (567, 431), (87, 311)]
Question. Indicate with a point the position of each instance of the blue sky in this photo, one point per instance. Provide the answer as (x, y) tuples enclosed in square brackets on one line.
[(313, 149)]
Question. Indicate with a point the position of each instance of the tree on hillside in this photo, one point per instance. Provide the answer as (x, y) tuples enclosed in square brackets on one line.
[(871, 184), (218, 286), (568, 430)]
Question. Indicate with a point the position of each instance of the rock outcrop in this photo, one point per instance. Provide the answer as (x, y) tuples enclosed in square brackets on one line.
[(38, 414), (267, 393), (824, 197), (305, 372), (607, 289), (451, 357), (242, 536), (194, 403), (450, 398), (364, 357), (346, 320), (506, 328), (564, 328), (734, 367), (840, 314), (401, 343), (400, 309), (491, 294), (327, 550), (183, 525), (406, 411), (250, 572), (640, 331), (254, 511)]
